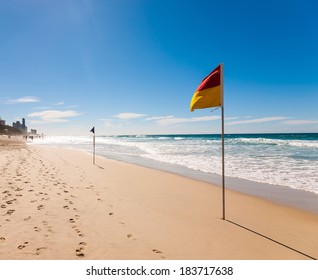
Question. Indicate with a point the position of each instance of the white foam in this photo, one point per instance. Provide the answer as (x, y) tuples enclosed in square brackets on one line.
[(291, 163)]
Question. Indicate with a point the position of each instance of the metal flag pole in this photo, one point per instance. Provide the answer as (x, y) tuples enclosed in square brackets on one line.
[(93, 130), (223, 167), (94, 148), (206, 96)]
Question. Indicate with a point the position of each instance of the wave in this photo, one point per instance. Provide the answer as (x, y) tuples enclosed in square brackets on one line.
[(289, 162), (273, 142)]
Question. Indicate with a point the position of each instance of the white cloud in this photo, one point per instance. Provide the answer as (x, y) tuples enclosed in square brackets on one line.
[(52, 116), (173, 120), (204, 119), (158, 118), (42, 108), (128, 116), (260, 120), (72, 106), (231, 118), (25, 99), (46, 121), (300, 122)]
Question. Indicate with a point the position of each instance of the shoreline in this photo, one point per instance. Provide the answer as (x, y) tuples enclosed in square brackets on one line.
[(287, 196), (284, 195), (58, 205)]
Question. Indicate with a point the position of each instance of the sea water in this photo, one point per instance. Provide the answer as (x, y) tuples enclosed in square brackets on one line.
[(289, 160)]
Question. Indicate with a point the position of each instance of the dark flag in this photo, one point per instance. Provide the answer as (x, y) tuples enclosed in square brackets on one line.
[(93, 129)]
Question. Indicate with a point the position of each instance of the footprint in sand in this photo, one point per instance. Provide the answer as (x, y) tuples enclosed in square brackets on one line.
[(157, 251), (38, 250), (10, 201), (40, 207), (23, 246), (9, 212), (2, 239), (79, 252)]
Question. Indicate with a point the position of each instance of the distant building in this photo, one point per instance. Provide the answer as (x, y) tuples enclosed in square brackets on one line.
[(2, 122), (16, 125), (20, 126), (24, 128), (33, 131)]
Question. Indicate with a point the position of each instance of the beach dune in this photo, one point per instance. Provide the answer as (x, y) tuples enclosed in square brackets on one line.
[(55, 204)]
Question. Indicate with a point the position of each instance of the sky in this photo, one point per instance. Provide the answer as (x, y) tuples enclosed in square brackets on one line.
[(132, 66)]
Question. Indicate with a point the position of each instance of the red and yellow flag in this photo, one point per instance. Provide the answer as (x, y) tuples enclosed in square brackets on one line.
[(209, 92)]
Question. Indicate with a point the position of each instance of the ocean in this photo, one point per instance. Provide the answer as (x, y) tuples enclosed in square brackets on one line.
[(289, 160)]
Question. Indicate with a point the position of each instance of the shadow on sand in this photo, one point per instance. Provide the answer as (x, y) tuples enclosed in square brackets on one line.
[(271, 239)]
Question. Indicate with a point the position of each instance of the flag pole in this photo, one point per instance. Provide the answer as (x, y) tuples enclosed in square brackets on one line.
[(94, 148), (223, 167), (213, 87), (93, 130)]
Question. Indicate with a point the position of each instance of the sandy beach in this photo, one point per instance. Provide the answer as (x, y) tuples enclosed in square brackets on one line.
[(55, 204)]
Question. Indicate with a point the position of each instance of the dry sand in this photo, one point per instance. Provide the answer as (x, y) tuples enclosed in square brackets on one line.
[(55, 204)]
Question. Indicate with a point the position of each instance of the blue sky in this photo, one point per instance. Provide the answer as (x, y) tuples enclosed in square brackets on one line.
[(132, 66)]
